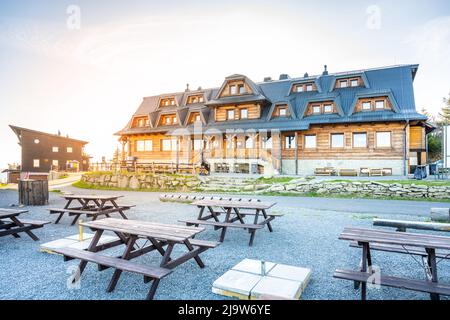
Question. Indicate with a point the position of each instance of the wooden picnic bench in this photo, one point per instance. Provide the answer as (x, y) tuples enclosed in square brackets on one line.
[(234, 216), (367, 238), (160, 238), (10, 224), (92, 206)]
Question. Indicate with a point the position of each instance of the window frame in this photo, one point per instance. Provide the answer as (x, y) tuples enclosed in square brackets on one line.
[(382, 101), (55, 149), (291, 144), (162, 147), (305, 141), (233, 87), (328, 105), (309, 86), (240, 113), (69, 150), (364, 103), (352, 81), (353, 140), (376, 140), (334, 135), (38, 161), (228, 114), (316, 106), (299, 88), (57, 163), (285, 111), (343, 81)]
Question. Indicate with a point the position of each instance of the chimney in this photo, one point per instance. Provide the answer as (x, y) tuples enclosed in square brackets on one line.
[(325, 71), (59, 133), (284, 76), (199, 88), (267, 79), (187, 87), (306, 75)]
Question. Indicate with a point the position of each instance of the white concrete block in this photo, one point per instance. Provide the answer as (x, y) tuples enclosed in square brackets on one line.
[(83, 245), (56, 244), (252, 266), (301, 275), (270, 288), (237, 282)]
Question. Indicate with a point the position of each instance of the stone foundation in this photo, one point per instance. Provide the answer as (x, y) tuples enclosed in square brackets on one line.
[(142, 181)]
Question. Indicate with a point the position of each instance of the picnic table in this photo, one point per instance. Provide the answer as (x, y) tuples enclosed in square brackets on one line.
[(10, 224), (160, 238), (368, 237), (91, 206), (234, 216)]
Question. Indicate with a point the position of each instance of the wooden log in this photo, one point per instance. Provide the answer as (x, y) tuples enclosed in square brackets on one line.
[(33, 192), (440, 214), (419, 225)]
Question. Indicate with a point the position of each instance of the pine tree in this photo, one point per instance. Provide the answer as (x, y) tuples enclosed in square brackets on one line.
[(445, 112)]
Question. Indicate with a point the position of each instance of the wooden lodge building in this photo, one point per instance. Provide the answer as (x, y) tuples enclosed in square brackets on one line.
[(43, 152), (351, 120)]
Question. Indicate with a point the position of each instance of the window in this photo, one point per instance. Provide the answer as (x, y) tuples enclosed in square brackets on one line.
[(316, 110), (69, 150), (36, 163), (55, 163), (166, 103), (172, 102), (267, 143), (36, 141), (309, 87), (144, 145), (197, 117), (366, 106), (244, 113), (360, 140), (310, 142), (233, 89), (299, 88), (194, 100), (55, 149), (379, 104), (337, 140), (168, 144), (200, 99), (198, 144), (354, 82), (230, 114), (249, 143), (141, 122), (343, 84), (383, 139), (175, 120), (282, 112), (241, 89), (289, 142), (168, 120), (328, 108)]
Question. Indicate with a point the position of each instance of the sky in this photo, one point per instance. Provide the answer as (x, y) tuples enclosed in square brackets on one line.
[(83, 67)]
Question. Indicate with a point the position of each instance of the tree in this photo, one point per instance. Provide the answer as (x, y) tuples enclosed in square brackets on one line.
[(445, 112), (435, 145)]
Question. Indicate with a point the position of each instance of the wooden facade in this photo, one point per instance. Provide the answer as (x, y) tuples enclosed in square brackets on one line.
[(243, 123), (43, 152)]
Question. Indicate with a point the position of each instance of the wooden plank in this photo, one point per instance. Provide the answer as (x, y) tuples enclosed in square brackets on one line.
[(14, 211), (392, 237), (388, 281), (204, 243), (117, 263), (402, 250), (234, 204), (35, 222), (175, 233), (223, 224), (91, 197)]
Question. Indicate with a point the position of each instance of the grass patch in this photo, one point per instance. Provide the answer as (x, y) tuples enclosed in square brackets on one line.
[(63, 176), (55, 191), (364, 217), (274, 180)]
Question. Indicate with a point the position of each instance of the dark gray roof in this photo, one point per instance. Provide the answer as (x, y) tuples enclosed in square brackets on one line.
[(394, 81)]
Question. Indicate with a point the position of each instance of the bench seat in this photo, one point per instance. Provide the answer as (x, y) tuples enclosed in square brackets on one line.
[(222, 224), (155, 273), (394, 282), (37, 223), (204, 243)]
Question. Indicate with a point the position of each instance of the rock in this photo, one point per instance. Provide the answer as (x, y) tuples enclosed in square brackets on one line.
[(276, 188), (123, 182), (134, 183), (290, 187)]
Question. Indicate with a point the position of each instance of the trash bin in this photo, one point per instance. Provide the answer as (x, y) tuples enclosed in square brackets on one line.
[(420, 172), (33, 192), (433, 167)]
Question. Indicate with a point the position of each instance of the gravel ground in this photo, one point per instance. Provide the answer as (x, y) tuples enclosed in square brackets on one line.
[(306, 236)]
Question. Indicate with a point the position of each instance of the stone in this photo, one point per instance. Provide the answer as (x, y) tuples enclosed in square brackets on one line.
[(252, 266), (134, 183), (236, 284), (123, 182)]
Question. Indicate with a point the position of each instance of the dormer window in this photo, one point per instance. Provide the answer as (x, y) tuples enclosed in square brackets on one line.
[(197, 118), (167, 102), (241, 89), (299, 88), (309, 87), (195, 99), (302, 87), (233, 90), (343, 84), (328, 108), (366, 106), (354, 83), (316, 109), (379, 104), (282, 112), (348, 82)]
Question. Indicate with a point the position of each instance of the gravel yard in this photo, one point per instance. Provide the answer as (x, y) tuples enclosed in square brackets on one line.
[(306, 236)]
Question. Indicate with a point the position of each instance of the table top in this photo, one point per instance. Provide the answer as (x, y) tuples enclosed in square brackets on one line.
[(235, 204), (169, 232), (6, 213), (396, 238), (91, 197)]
